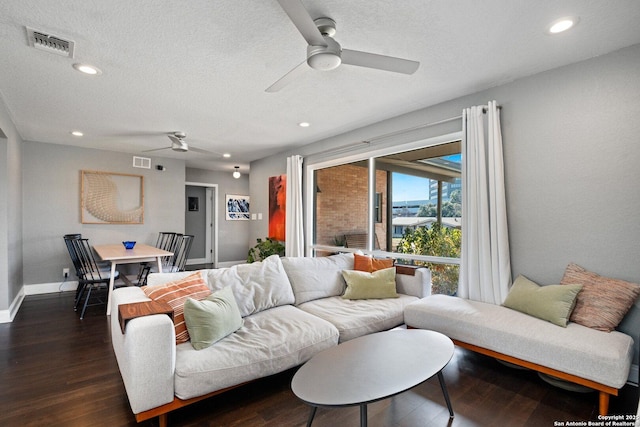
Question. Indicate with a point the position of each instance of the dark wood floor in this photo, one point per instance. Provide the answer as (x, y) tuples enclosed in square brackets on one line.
[(57, 370)]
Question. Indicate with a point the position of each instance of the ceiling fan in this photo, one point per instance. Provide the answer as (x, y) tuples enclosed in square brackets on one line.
[(324, 53), (179, 144)]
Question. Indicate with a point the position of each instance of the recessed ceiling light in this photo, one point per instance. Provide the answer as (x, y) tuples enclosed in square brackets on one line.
[(304, 124), (562, 24), (87, 69), (76, 133), (226, 155)]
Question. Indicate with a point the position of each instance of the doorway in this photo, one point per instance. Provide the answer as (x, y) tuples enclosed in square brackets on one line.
[(201, 220)]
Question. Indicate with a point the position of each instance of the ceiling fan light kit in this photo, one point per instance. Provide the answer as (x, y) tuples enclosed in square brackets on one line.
[(324, 58)]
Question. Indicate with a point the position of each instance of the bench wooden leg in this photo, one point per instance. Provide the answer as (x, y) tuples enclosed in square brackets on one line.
[(163, 420), (604, 403)]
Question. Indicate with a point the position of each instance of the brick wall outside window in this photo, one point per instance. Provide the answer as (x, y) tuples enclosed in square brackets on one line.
[(341, 205)]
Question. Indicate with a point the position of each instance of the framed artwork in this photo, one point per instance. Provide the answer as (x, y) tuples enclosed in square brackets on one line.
[(111, 198), (193, 204), (277, 206), (237, 208)]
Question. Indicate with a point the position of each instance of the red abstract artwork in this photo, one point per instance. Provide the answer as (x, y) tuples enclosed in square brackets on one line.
[(277, 206)]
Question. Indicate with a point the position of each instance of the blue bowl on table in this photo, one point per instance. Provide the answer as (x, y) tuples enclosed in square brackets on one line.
[(128, 244)]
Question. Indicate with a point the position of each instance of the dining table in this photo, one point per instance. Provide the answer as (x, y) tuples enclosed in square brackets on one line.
[(118, 254)]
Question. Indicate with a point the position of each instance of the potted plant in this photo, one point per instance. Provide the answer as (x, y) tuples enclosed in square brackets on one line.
[(265, 248)]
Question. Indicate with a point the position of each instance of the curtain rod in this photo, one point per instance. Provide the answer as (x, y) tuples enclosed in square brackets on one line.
[(398, 132), (422, 126), (402, 131), (484, 109)]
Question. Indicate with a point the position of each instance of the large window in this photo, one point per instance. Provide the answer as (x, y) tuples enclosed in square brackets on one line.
[(414, 211)]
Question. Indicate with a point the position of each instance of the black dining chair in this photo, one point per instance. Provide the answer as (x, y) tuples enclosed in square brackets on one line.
[(172, 264), (168, 241), (92, 278), (182, 253), (74, 260)]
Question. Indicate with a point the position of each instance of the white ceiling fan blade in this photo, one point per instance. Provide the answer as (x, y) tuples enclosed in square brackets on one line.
[(175, 140), (302, 20), (200, 150), (288, 78), (156, 149), (380, 62)]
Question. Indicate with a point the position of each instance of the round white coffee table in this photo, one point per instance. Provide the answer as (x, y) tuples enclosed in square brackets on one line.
[(371, 368)]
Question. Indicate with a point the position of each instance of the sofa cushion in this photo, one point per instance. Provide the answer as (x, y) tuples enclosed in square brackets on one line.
[(595, 355), (552, 303), (364, 285), (257, 286), (319, 277), (175, 294), (369, 264), (269, 342), (355, 318), (603, 301), (212, 318)]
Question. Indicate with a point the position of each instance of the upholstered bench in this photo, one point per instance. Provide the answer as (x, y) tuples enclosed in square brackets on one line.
[(592, 358)]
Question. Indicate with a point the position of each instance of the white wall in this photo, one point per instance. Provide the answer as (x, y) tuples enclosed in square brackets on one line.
[(571, 151), (571, 154), (11, 259), (51, 176), (233, 236)]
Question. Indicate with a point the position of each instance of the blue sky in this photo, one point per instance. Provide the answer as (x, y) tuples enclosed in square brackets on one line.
[(407, 187)]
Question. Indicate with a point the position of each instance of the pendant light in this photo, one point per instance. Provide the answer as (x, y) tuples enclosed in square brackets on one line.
[(236, 173)]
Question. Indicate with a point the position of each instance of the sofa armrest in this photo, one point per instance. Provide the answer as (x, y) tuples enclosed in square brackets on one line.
[(146, 353), (418, 285)]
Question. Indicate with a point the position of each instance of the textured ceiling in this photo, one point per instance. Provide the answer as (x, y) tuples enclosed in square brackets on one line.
[(202, 66)]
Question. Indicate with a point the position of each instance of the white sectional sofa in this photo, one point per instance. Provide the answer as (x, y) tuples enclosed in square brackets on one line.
[(595, 359), (291, 309)]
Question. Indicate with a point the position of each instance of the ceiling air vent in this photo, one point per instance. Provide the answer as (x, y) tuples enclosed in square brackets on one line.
[(50, 43), (141, 162)]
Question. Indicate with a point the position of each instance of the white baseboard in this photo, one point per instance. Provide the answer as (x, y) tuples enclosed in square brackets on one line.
[(192, 261), (6, 316), (227, 264), (223, 264), (50, 288)]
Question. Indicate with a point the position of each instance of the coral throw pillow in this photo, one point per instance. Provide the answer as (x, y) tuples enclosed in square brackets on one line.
[(603, 301), (369, 264), (175, 294)]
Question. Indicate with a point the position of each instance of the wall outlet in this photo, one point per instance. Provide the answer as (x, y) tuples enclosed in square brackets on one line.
[(65, 272)]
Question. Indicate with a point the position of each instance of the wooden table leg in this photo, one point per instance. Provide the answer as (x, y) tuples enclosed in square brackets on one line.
[(112, 280)]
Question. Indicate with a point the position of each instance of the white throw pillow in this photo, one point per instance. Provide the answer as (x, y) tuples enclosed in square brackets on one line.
[(320, 277), (256, 286)]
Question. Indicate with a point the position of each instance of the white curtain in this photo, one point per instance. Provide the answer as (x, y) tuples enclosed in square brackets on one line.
[(485, 269), (294, 231)]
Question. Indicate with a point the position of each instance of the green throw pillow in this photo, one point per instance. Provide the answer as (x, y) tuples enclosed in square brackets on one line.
[(364, 285), (211, 319), (553, 303)]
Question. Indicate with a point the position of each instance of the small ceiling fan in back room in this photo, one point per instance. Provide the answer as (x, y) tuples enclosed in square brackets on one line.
[(324, 53), (179, 144)]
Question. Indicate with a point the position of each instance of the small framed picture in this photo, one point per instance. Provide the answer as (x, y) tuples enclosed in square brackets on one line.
[(237, 208), (193, 204)]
